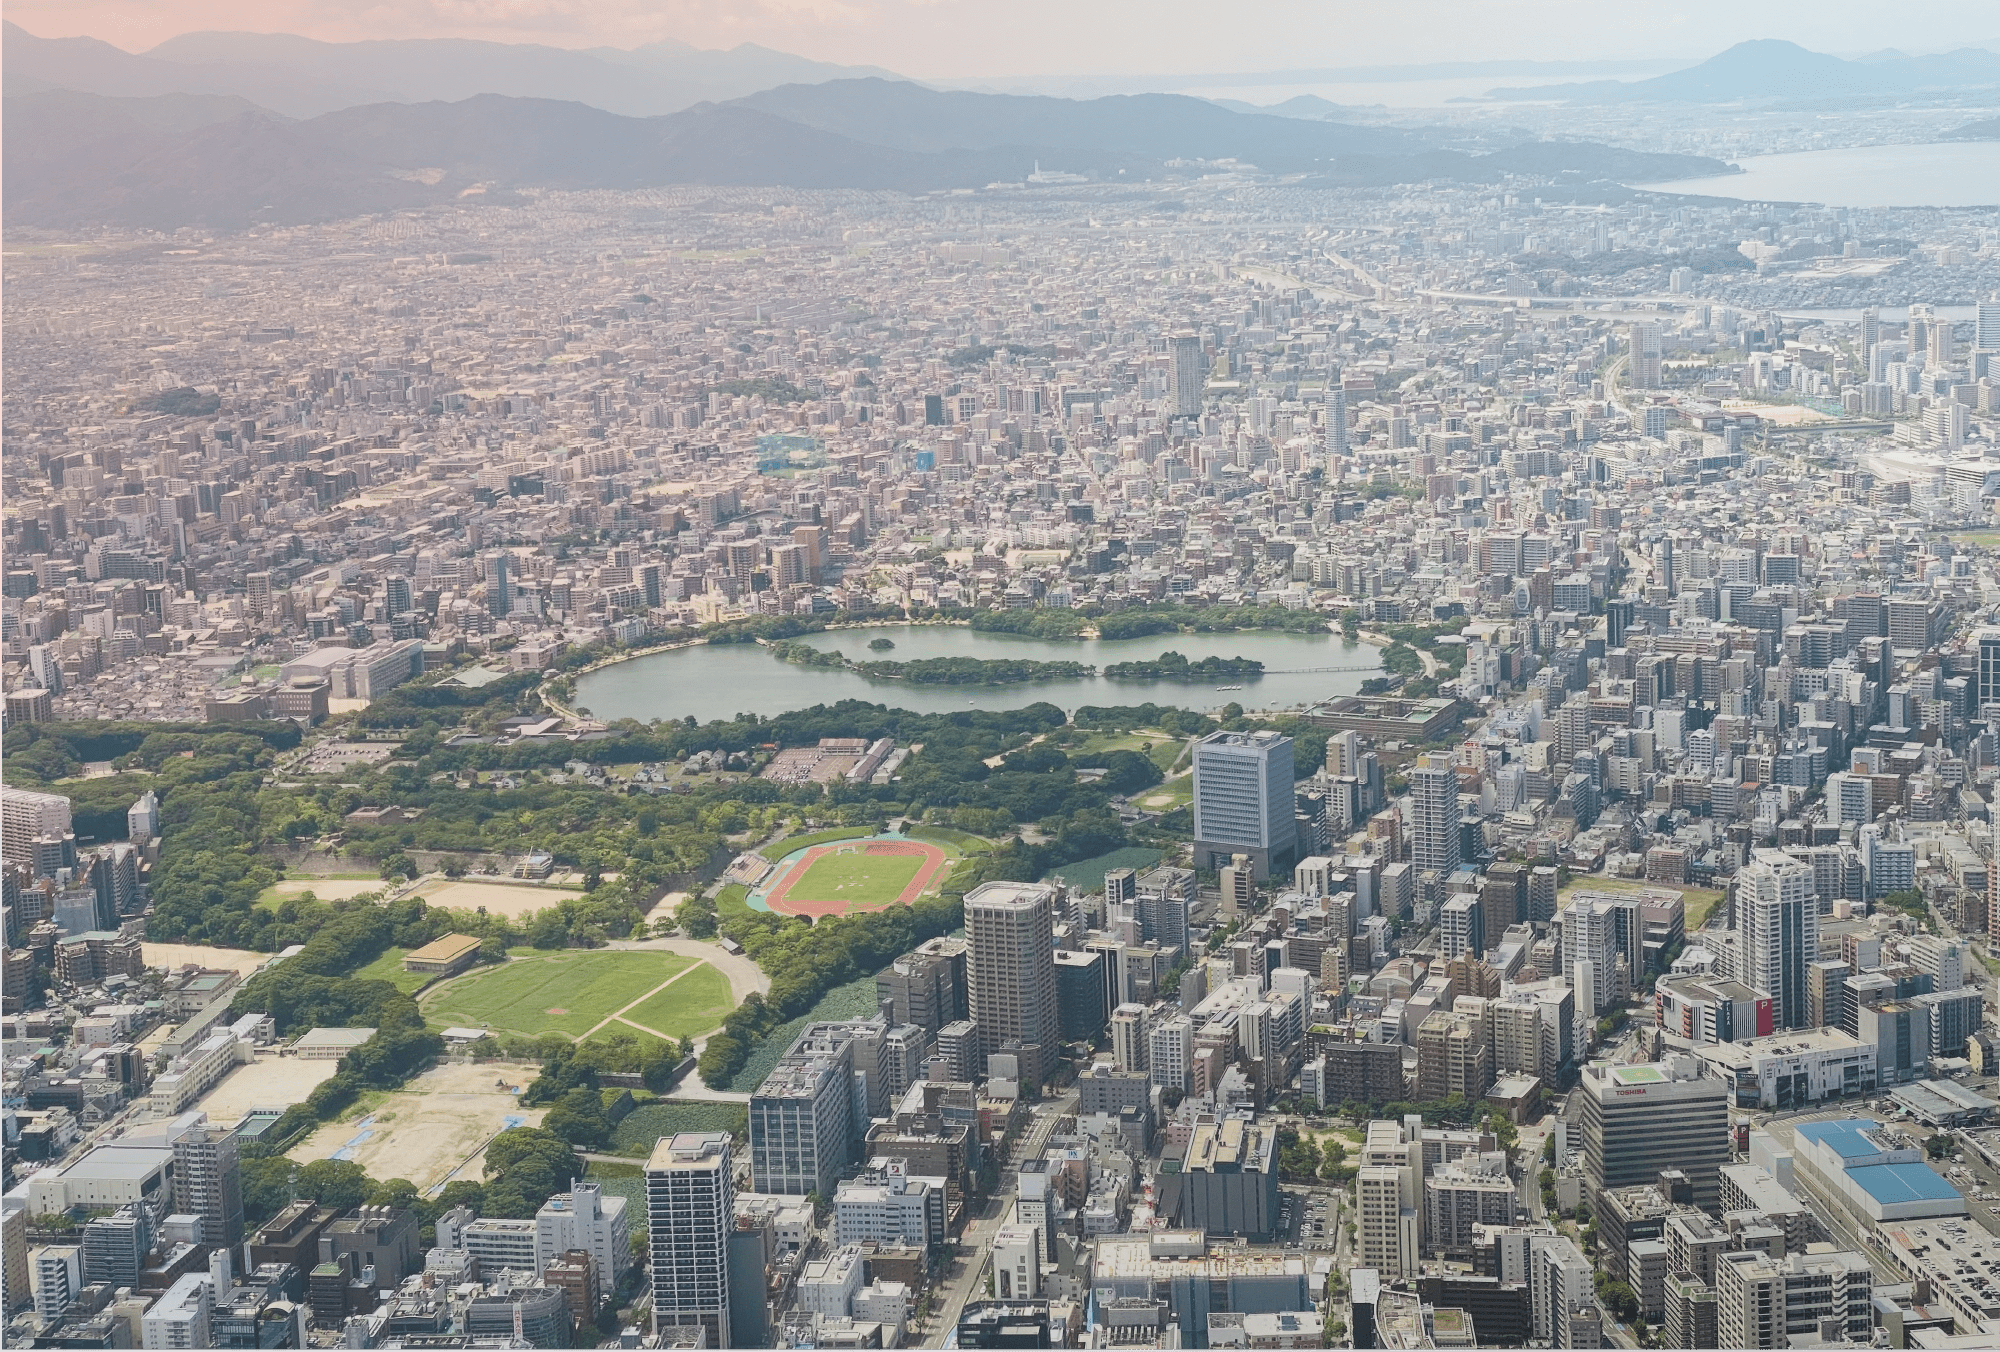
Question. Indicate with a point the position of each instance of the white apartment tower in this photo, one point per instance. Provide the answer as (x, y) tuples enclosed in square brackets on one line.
[(690, 1210), (1434, 824), (1777, 920), (1128, 1037), (1011, 972), (584, 1218)]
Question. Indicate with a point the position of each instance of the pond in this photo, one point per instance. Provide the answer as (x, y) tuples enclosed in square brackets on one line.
[(721, 681)]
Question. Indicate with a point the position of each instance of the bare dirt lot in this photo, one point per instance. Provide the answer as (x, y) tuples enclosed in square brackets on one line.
[(328, 889), (267, 1082), (215, 959), (498, 898), (426, 1132)]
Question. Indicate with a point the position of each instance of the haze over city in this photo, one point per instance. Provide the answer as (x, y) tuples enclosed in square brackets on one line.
[(1058, 676)]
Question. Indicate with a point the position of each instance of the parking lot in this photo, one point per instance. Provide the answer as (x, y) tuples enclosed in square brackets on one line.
[(1309, 1219)]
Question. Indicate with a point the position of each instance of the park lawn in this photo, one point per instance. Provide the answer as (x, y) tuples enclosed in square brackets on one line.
[(389, 968), (866, 879), (638, 1129), (779, 849), (1178, 791), (732, 902), (694, 1004), (1158, 747), (951, 839), (1087, 875), (570, 991)]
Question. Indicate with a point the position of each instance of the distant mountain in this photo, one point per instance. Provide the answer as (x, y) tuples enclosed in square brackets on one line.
[(301, 77), (1157, 126), (1770, 68), (1309, 106), (73, 159)]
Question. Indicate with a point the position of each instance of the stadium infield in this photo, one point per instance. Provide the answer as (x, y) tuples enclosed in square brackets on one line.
[(855, 875)]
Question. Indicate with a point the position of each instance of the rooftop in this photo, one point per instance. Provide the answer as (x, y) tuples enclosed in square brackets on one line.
[(1891, 1184)]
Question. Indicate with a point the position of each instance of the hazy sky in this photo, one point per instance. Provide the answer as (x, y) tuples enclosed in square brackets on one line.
[(1008, 37)]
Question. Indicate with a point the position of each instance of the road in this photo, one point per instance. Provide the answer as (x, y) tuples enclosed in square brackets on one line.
[(967, 1274)]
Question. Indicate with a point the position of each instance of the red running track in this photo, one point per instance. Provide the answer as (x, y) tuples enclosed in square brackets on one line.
[(781, 901)]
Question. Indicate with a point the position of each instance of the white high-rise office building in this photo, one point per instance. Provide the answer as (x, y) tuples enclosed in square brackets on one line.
[(1243, 801), (690, 1211), (1986, 326), (1777, 921)]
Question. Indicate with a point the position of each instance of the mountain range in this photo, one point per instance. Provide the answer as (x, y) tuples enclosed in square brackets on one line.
[(73, 158), (1771, 68), (302, 78)]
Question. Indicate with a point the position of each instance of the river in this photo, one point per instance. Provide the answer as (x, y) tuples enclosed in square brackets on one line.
[(1942, 174), (721, 681)]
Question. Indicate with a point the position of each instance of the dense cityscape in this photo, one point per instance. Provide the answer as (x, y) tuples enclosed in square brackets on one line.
[(1206, 762)]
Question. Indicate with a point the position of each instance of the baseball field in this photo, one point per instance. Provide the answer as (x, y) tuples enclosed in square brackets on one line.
[(582, 992)]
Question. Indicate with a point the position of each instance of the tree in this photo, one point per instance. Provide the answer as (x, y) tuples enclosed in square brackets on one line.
[(579, 1119), (396, 1192), (1937, 1147), (696, 915), (267, 1186), (340, 1184), (525, 1166)]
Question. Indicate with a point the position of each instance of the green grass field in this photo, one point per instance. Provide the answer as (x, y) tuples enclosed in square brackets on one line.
[(864, 878), (694, 1004), (647, 1123), (779, 849), (1088, 874), (389, 968), (951, 839), (571, 991), (1157, 747), (731, 902)]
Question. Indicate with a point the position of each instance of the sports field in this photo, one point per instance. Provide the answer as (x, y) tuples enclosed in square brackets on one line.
[(859, 875), (580, 993)]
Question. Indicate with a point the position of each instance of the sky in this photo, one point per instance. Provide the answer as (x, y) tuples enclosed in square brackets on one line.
[(975, 38)]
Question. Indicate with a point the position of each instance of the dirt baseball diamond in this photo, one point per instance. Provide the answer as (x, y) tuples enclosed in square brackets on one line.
[(781, 899)]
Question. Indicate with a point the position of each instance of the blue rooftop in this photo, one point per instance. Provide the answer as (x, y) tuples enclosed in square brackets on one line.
[(1891, 1184), (1843, 1137)]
